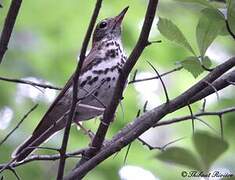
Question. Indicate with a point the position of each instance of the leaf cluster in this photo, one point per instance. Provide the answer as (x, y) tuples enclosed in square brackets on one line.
[(211, 24), (209, 148)]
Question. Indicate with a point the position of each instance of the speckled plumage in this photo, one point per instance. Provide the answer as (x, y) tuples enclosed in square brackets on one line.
[(97, 81), (100, 78)]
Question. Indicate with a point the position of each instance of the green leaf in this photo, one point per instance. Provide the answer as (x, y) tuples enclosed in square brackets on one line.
[(216, 15), (201, 2), (206, 62), (209, 27), (180, 156), (209, 147), (213, 14), (193, 65), (231, 14), (169, 30), (224, 30)]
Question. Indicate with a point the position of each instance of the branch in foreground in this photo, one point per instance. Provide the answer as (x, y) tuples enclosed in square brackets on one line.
[(203, 92), (8, 26), (20, 122), (111, 108), (34, 84), (148, 119), (219, 84), (75, 89)]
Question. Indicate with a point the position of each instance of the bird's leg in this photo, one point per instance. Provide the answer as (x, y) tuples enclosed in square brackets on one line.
[(86, 132)]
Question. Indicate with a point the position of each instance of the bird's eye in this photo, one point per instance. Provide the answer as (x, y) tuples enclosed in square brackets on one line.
[(103, 24)]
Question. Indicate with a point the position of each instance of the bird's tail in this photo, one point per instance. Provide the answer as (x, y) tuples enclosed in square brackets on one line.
[(31, 144), (53, 121)]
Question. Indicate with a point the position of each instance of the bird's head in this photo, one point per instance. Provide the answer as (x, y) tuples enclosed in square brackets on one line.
[(109, 28)]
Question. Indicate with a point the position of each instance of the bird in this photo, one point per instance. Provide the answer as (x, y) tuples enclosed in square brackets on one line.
[(98, 76)]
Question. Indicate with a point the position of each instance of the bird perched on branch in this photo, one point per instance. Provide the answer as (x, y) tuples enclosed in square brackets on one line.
[(98, 77)]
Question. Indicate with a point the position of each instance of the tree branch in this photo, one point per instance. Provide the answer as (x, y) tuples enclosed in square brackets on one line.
[(188, 97), (45, 86), (148, 119), (75, 89), (184, 118), (154, 77), (219, 84), (36, 157), (111, 108), (8, 26)]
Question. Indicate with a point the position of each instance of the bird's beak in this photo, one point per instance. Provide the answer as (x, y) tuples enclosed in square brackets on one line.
[(118, 19)]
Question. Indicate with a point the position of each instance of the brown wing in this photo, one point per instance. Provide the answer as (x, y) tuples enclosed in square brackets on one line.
[(57, 109), (88, 60)]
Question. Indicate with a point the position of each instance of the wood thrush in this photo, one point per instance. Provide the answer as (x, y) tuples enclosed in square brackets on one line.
[(97, 81)]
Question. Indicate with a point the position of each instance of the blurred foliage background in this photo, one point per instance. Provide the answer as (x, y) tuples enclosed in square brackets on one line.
[(44, 48)]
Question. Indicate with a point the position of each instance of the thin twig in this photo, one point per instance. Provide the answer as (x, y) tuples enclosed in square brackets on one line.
[(161, 148), (216, 92), (172, 142), (192, 117), (184, 118), (45, 86), (221, 126), (138, 113), (48, 86), (208, 125), (8, 26), (221, 1), (91, 93), (155, 77), (148, 145), (203, 105), (127, 152), (153, 42), (134, 75), (15, 173), (75, 89), (18, 124), (229, 29), (129, 146), (145, 107), (163, 84), (7, 165), (30, 145), (36, 157)]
